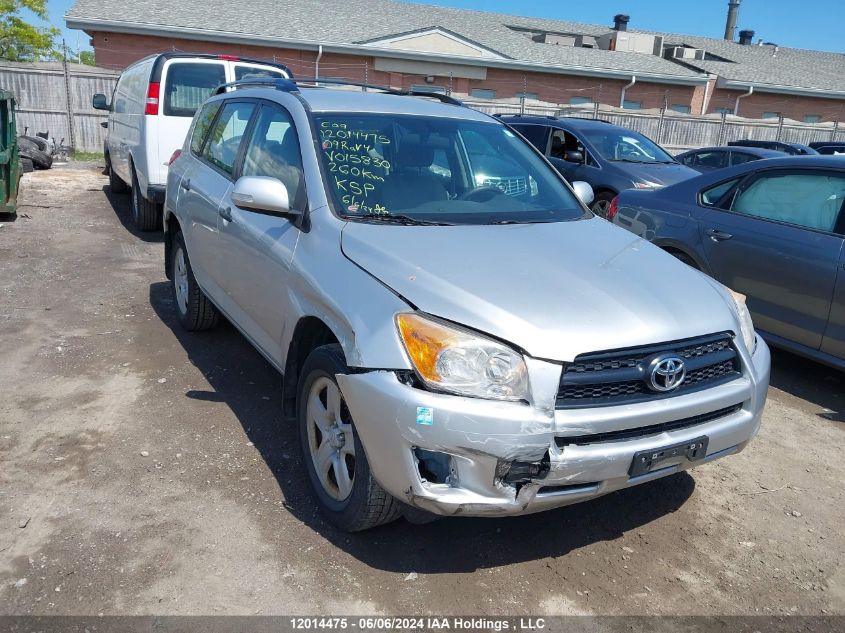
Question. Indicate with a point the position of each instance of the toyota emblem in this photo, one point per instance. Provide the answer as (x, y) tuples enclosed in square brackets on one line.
[(665, 373)]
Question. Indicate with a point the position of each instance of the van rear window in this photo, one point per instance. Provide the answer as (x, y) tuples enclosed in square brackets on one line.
[(188, 85), (246, 72)]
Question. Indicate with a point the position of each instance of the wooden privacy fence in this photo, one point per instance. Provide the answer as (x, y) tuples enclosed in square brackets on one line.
[(677, 131), (55, 97)]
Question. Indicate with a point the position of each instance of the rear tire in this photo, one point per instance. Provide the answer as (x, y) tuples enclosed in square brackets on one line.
[(344, 487), (145, 214), (194, 309), (116, 183)]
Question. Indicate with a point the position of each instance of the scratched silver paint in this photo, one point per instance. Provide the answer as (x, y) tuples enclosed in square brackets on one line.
[(553, 291)]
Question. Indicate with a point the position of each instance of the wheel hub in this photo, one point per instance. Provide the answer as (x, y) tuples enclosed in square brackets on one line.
[(336, 438)]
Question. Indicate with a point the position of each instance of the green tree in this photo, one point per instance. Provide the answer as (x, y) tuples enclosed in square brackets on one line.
[(19, 40), (86, 57)]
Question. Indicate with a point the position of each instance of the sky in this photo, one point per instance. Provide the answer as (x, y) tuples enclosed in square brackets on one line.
[(815, 24)]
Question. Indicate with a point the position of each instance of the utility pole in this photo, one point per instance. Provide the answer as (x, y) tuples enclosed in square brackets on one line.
[(730, 25)]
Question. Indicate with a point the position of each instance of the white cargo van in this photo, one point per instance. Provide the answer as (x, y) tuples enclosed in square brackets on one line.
[(150, 112)]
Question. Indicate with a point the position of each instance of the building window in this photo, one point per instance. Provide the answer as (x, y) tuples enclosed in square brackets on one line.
[(684, 109), (527, 95), (580, 101), (724, 110), (428, 88), (482, 93), (813, 118), (632, 105), (771, 115)]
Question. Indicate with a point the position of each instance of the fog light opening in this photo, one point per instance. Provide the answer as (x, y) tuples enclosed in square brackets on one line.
[(436, 468)]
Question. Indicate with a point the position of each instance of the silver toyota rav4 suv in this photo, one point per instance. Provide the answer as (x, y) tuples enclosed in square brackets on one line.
[(457, 333)]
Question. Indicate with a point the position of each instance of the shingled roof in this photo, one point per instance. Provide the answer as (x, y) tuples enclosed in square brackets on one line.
[(353, 25)]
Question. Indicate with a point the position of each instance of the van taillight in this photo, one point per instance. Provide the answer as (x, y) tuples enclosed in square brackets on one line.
[(613, 209), (152, 99), (173, 158)]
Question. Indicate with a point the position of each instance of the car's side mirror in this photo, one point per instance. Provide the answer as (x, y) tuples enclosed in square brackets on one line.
[(573, 156), (264, 195), (584, 192), (99, 102)]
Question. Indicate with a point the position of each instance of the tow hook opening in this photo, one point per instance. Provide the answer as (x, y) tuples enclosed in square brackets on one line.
[(436, 468)]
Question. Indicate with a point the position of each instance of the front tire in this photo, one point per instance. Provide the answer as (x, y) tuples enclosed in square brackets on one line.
[(145, 214), (116, 183), (194, 309), (337, 465), (601, 204)]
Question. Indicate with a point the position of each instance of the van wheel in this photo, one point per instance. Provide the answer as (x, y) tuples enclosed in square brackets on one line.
[(116, 183), (145, 214), (194, 309), (337, 465), (601, 204)]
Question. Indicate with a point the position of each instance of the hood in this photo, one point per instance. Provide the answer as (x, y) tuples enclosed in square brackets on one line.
[(661, 173), (554, 290)]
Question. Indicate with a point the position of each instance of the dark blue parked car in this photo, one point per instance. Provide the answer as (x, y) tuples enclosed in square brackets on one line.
[(608, 157), (773, 230), (710, 158)]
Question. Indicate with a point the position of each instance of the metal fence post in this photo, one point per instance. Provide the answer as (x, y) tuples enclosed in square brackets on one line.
[(68, 100), (660, 124), (596, 110), (835, 131), (780, 128), (722, 128)]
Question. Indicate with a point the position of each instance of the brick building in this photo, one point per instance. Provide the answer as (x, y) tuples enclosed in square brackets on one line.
[(480, 55)]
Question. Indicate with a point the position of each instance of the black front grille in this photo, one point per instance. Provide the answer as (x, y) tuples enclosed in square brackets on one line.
[(645, 431), (610, 378)]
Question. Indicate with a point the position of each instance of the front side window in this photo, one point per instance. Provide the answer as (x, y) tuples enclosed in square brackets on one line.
[(222, 146), (432, 169), (810, 199), (188, 84), (273, 150), (712, 196), (626, 146), (202, 126)]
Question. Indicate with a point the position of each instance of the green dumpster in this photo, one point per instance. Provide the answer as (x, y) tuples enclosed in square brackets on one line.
[(9, 163)]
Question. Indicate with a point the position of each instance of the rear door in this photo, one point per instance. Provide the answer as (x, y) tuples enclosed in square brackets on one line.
[(773, 240), (185, 83), (256, 249), (205, 190)]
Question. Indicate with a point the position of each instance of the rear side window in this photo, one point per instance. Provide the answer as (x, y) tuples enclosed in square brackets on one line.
[(188, 84), (711, 197), (537, 135), (738, 158), (222, 146), (204, 121), (245, 72), (711, 160)]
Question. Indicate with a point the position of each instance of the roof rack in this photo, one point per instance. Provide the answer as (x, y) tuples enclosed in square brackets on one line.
[(293, 85)]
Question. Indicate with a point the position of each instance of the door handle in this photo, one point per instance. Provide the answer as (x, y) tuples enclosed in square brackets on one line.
[(226, 213), (185, 184), (717, 235)]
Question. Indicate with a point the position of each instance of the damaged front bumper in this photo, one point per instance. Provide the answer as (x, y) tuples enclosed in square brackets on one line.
[(453, 455)]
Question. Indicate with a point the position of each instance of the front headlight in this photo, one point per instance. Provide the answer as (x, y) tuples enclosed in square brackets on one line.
[(458, 361), (746, 325)]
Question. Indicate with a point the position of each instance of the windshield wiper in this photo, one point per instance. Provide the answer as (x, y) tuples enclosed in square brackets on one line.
[(398, 218)]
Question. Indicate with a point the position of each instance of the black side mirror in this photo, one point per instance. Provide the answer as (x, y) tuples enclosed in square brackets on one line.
[(99, 102), (572, 156)]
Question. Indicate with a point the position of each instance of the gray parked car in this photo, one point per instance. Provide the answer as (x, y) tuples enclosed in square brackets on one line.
[(608, 157), (451, 341), (773, 230)]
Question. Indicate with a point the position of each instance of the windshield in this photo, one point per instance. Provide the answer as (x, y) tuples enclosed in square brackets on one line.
[(427, 170), (626, 146)]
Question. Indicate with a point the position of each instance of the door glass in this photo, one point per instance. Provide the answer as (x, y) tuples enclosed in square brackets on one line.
[(245, 72), (202, 125), (188, 85), (738, 158), (812, 200), (273, 151), (711, 197), (711, 160), (221, 149)]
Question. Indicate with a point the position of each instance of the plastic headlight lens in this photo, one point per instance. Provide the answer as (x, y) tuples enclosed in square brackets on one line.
[(460, 362), (746, 325)]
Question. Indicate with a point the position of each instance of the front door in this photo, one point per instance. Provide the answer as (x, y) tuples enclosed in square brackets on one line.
[(834, 337), (773, 240), (256, 248)]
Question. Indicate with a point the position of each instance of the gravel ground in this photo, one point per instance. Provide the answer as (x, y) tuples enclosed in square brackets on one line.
[(147, 471)]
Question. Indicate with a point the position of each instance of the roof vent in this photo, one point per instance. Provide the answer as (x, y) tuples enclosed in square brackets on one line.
[(620, 22), (746, 37)]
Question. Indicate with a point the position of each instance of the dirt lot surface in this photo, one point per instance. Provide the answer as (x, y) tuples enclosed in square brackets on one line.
[(146, 471)]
